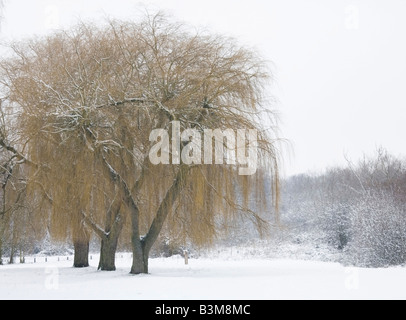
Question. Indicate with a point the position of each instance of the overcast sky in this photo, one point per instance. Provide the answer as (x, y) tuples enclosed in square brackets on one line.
[(339, 66)]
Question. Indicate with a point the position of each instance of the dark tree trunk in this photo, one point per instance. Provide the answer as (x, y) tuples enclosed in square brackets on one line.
[(13, 245), (108, 253), (81, 258), (109, 241), (81, 240), (12, 253), (140, 257), (142, 247), (109, 237)]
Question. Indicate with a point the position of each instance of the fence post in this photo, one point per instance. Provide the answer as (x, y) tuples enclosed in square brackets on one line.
[(186, 257), (22, 258)]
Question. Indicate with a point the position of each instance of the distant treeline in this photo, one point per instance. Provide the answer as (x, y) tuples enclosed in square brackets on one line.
[(359, 210)]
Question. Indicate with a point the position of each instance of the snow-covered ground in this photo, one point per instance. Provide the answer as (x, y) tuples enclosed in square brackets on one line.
[(202, 279)]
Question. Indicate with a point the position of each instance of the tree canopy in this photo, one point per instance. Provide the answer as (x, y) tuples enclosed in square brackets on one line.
[(85, 102)]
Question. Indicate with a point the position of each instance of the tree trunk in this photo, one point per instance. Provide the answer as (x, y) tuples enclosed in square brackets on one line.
[(81, 258), (81, 240), (22, 258), (13, 244), (142, 247), (109, 237), (1, 250), (140, 257), (109, 241), (12, 253), (108, 253)]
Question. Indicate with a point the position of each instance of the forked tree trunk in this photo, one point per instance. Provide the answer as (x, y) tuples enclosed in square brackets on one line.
[(142, 247), (109, 237)]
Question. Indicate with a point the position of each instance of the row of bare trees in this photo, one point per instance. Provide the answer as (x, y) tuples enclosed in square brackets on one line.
[(78, 108)]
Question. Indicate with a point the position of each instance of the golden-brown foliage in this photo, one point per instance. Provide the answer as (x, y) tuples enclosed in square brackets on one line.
[(89, 98)]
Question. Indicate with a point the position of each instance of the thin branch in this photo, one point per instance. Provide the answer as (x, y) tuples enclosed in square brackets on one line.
[(96, 228), (17, 154), (163, 210), (123, 102)]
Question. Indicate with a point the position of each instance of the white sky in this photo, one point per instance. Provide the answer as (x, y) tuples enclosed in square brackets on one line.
[(339, 65)]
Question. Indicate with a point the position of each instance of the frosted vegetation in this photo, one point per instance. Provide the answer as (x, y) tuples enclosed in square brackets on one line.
[(353, 215), (77, 109)]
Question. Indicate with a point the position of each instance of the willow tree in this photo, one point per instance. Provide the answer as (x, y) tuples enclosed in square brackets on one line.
[(17, 223), (89, 100)]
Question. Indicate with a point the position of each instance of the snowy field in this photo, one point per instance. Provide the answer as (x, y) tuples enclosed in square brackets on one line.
[(202, 279)]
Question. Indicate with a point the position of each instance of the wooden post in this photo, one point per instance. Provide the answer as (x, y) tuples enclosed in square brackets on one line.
[(186, 257), (22, 259)]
